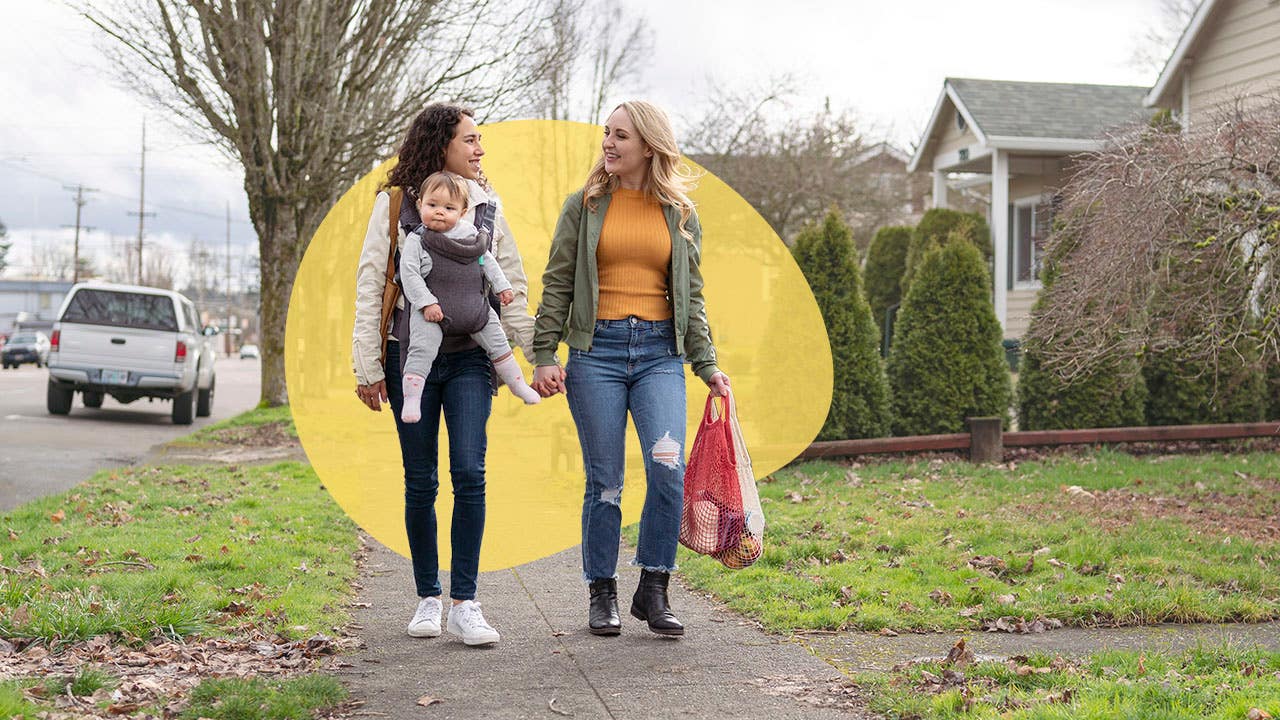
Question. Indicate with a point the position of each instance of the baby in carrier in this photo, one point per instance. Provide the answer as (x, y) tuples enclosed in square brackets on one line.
[(444, 264)]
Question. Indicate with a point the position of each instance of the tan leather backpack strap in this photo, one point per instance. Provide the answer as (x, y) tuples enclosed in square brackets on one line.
[(391, 290)]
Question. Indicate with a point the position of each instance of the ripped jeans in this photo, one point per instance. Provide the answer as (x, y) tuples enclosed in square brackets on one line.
[(632, 366)]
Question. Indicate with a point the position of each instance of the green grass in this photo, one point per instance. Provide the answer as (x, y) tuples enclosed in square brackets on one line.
[(895, 545), (13, 705), (86, 681), (256, 699), (150, 552), (225, 430), (1203, 684)]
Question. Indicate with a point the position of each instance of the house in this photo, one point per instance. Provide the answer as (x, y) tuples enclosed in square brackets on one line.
[(30, 303), (894, 196), (1017, 138), (1230, 48)]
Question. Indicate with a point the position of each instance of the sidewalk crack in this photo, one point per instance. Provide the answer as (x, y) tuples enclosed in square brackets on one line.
[(564, 648)]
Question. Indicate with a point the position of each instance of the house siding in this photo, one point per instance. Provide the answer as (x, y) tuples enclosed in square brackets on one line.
[(953, 138), (1018, 312), (1239, 53)]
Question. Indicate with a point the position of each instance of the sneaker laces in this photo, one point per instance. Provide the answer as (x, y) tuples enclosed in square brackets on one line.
[(470, 617), (425, 606)]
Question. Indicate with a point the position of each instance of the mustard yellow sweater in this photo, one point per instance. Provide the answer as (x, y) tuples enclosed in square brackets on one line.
[(633, 259)]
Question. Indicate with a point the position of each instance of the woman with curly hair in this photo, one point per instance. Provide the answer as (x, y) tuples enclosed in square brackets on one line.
[(441, 138), (623, 288)]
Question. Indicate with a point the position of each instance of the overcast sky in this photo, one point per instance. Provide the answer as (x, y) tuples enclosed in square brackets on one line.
[(64, 121)]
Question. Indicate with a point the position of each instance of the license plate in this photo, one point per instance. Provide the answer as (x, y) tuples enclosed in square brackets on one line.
[(115, 377)]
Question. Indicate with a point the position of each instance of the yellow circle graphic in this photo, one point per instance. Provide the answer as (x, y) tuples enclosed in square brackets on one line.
[(765, 322)]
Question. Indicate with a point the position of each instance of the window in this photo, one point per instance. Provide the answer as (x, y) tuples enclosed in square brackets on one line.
[(1030, 220), (961, 125), (122, 309)]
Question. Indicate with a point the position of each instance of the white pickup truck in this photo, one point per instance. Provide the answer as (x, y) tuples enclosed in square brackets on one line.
[(130, 342)]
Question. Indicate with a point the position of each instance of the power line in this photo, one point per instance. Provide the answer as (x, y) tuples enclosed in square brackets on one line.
[(121, 196)]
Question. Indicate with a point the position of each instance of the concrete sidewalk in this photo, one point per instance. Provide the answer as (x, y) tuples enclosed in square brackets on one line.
[(548, 666)]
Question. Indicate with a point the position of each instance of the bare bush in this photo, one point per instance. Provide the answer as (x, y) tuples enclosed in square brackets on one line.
[(1167, 239)]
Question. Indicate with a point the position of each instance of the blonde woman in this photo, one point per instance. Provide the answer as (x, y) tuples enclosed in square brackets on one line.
[(623, 289)]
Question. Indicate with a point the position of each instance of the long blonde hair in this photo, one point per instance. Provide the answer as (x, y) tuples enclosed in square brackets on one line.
[(669, 179)]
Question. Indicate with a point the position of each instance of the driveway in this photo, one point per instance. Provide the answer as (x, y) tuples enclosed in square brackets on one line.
[(41, 454)]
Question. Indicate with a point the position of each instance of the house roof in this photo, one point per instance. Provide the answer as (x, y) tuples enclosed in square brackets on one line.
[(1165, 89), (1058, 117), (882, 148)]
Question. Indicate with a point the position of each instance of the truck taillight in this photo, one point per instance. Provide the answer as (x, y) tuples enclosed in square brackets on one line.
[(53, 341), (180, 354)]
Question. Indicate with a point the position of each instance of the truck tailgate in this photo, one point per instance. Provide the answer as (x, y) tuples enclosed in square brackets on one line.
[(106, 348)]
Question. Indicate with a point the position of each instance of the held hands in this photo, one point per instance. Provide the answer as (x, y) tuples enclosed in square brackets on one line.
[(373, 395), (719, 384), (548, 380), (432, 313), (506, 296)]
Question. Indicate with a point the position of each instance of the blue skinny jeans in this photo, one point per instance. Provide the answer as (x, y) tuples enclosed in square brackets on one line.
[(632, 367), (458, 385)]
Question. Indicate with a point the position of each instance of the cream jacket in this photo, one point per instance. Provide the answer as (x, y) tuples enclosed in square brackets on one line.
[(366, 342)]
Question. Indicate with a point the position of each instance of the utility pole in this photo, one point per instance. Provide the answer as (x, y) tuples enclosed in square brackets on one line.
[(142, 198), (80, 202), (229, 341)]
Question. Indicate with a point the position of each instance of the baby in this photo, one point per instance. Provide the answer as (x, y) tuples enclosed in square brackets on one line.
[(443, 267)]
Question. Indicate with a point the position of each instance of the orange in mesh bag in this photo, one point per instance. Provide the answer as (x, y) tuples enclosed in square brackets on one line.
[(722, 516)]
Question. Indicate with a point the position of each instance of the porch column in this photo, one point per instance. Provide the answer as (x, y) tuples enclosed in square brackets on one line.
[(940, 188), (1000, 231)]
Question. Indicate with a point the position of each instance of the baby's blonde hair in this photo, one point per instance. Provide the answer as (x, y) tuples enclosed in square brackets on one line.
[(456, 189)]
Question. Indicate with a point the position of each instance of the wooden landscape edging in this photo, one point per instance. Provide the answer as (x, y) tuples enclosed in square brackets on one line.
[(987, 441)]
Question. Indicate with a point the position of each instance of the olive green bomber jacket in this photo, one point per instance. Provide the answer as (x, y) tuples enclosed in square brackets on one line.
[(571, 278)]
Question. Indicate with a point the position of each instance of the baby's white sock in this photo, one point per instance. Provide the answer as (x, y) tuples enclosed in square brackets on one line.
[(412, 410), (510, 373)]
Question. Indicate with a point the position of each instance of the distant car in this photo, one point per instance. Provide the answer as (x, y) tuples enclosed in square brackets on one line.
[(130, 342), (249, 351), (25, 346)]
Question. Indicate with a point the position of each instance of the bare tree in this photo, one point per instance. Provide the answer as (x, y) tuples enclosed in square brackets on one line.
[(308, 94), (158, 268), (1152, 49), (591, 50), (51, 259), (791, 168), (1169, 239)]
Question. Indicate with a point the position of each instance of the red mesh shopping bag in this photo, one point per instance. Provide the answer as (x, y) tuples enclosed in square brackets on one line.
[(713, 520)]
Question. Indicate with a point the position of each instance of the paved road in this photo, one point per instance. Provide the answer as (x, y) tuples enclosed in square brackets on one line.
[(41, 454)]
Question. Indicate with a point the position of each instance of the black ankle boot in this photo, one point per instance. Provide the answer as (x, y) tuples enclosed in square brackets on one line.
[(604, 618), (651, 604)]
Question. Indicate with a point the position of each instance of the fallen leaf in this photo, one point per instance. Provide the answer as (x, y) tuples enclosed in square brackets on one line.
[(58, 517), (428, 701), (1077, 491), (193, 538), (942, 597), (122, 708), (1257, 714), (12, 535), (551, 705), (1006, 599), (1056, 562), (958, 655), (886, 632), (795, 497), (193, 558)]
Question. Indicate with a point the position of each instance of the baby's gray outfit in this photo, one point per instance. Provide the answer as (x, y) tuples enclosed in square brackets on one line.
[(459, 248)]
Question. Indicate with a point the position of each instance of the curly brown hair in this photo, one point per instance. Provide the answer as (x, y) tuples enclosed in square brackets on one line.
[(423, 150)]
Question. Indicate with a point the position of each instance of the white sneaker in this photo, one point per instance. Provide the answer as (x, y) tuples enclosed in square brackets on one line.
[(426, 621), (467, 622)]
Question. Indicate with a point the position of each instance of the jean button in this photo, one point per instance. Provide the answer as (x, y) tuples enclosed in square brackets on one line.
[(633, 319)]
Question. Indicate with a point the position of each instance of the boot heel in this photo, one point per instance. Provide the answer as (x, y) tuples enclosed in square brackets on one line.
[(637, 614)]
